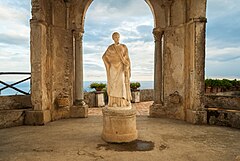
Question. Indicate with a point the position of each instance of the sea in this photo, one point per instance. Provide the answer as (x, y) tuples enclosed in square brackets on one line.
[(25, 86)]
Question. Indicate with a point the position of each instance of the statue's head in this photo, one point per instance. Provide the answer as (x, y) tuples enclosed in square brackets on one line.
[(116, 37)]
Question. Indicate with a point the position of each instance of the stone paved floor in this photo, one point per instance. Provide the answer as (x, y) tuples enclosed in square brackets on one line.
[(80, 140), (142, 109)]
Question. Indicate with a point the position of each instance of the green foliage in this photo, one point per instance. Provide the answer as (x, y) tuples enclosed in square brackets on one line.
[(97, 86), (208, 82), (224, 83), (135, 85)]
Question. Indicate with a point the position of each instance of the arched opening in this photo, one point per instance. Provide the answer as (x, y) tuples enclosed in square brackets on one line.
[(135, 24), (179, 37)]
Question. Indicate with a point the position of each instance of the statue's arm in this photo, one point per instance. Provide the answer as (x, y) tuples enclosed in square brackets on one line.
[(127, 73), (128, 64), (106, 63)]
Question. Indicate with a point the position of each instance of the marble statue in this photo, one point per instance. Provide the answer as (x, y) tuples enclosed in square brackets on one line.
[(117, 63), (119, 117)]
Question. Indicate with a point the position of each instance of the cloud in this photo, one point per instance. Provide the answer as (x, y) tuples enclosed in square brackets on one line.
[(14, 22), (223, 54), (223, 62), (223, 23), (16, 4), (15, 10), (133, 22), (118, 10), (223, 39), (226, 69), (13, 39)]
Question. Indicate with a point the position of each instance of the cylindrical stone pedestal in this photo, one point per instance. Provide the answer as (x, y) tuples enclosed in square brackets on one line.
[(99, 97), (135, 96), (119, 125)]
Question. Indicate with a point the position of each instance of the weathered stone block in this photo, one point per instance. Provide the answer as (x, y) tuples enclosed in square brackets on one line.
[(146, 95), (238, 158), (89, 98), (135, 96), (168, 110), (196, 117), (223, 117), (80, 111), (224, 102), (235, 120), (99, 99), (36, 117), (10, 118), (157, 110), (15, 102), (62, 113)]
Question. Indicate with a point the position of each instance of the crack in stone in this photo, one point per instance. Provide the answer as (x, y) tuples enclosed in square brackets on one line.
[(42, 150), (12, 123), (90, 154)]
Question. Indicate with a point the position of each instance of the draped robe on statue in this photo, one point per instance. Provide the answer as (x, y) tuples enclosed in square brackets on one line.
[(117, 65)]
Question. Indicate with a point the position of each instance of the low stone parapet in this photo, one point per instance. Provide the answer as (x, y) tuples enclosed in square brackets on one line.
[(15, 102), (223, 110), (90, 97), (146, 95), (223, 102), (10, 118), (13, 110), (223, 117)]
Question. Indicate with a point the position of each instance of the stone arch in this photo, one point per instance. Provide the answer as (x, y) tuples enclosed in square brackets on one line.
[(179, 35), (152, 10)]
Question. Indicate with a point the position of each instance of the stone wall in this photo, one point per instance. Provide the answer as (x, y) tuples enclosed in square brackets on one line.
[(229, 93), (90, 99), (146, 95), (12, 110), (174, 72), (224, 102), (15, 102), (223, 110)]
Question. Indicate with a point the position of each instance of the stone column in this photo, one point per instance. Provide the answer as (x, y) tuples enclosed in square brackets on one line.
[(158, 66), (156, 108), (80, 108), (197, 113), (78, 67), (39, 96)]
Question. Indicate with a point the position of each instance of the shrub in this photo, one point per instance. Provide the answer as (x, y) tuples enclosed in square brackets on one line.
[(224, 83), (135, 85), (97, 86)]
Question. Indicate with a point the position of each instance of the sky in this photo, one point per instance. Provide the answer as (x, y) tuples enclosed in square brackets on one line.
[(134, 22)]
